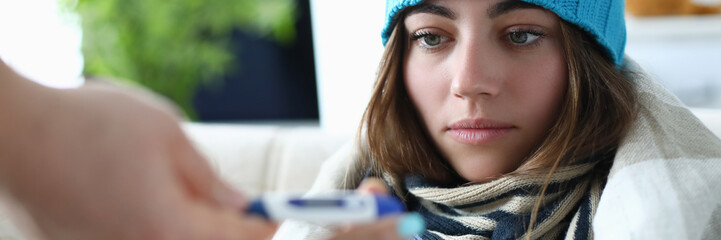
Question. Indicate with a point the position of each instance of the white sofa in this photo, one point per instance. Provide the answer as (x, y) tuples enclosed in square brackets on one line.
[(260, 158)]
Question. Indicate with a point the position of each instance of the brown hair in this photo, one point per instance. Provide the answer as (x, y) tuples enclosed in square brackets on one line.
[(598, 109)]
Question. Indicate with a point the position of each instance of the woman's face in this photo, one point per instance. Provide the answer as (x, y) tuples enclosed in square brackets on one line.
[(487, 78)]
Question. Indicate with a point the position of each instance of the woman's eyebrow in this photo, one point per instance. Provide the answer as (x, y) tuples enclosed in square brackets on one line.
[(509, 5), (432, 9)]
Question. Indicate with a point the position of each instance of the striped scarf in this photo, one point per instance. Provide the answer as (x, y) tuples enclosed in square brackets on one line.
[(501, 209)]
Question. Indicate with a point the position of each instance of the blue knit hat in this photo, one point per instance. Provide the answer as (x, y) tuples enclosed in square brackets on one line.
[(604, 19)]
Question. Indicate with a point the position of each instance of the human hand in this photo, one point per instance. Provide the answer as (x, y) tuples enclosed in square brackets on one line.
[(388, 228), (97, 163)]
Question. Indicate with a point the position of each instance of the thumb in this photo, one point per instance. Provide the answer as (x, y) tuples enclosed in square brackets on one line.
[(216, 223), (200, 181), (373, 185)]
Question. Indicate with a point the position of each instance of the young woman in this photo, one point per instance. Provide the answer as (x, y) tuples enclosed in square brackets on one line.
[(500, 119), (481, 106)]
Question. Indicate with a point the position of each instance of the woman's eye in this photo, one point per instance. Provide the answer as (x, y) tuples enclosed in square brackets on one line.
[(432, 40), (523, 37), (428, 40)]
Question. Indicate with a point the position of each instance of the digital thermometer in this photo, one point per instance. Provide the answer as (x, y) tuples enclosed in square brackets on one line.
[(325, 209)]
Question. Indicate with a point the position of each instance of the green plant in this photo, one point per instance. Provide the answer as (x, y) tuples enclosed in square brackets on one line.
[(172, 46)]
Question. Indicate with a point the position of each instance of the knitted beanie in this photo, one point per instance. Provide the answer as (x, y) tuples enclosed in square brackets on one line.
[(604, 19)]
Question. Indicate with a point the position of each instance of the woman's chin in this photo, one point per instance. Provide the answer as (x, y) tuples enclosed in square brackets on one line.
[(478, 174)]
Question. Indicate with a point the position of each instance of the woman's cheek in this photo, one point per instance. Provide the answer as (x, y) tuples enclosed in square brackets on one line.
[(426, 88)]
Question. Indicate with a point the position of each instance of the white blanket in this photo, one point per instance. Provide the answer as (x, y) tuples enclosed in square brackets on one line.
[(665, 182)]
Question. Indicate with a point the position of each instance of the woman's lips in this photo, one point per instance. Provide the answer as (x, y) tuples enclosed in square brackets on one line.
[(478, 131)]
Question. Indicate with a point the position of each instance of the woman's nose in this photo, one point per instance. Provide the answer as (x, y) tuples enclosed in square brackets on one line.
[(477, 74)]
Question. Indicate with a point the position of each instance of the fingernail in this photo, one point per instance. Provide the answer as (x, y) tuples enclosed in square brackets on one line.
[(410, 224), (239, 198)]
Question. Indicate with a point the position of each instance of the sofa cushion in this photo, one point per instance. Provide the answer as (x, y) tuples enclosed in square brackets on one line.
[(261, 158)]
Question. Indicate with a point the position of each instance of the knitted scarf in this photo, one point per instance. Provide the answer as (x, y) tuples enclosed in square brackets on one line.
[(501, 209)]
